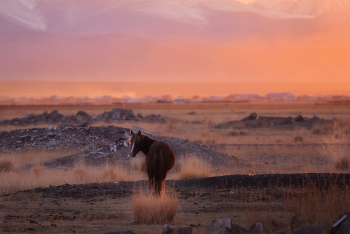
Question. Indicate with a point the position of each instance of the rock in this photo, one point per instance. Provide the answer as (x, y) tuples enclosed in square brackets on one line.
[(256, 228), (299, 118), (122, 232), (82, 116), (275, 225), (168, 229), (54, 116), (252, 116), (308, 230), (238, 229), (297, 221), (219, 224), (341, 226), (273, 121), (82, 124)]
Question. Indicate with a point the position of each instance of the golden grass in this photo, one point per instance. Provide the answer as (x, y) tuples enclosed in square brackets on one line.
[(191, 166), (312, 205), (147, 209), (21, 158), (39, 176), (139, 163), (336, 148)]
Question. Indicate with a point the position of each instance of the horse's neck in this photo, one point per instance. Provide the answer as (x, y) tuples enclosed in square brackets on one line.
[(146, 143)]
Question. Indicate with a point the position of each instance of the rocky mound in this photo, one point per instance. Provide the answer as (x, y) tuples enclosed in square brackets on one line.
[(96, 145), (82, 118), (253, 121)]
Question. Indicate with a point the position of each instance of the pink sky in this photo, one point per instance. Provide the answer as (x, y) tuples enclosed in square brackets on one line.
[(189, 44)]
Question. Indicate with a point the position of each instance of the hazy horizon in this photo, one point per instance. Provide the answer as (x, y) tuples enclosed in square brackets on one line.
[(42, 89)]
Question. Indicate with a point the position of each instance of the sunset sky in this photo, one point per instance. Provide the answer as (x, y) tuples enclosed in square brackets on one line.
[(177, 41)]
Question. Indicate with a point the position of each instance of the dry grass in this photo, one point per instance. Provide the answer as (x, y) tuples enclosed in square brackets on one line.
[(39, 176), (30, 156), (139, 163), (337, 148), (312, 205), (192, 166), (6, 165), (147, 209)]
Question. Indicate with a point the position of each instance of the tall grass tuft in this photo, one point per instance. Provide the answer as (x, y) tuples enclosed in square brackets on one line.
[(39, 176), (319, 205), (147, 209), (337, 149), (193, 167)]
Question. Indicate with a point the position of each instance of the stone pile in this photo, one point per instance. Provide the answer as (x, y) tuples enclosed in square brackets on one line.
[(82, 119), (253, 121), (95, 145)]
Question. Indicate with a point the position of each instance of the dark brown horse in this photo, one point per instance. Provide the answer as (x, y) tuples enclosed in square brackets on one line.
[(160, 158)]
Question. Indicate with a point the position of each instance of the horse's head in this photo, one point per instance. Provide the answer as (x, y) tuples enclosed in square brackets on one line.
[(135, 142)]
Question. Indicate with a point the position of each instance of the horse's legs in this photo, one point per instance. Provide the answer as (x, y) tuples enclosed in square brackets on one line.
[(162, 189), (150, 180), (150, 185)]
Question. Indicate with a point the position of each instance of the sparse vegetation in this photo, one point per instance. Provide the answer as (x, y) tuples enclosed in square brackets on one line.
[(147, 209), (337, 148), (39, 176), (139, 163), (192, 166), (298, 139), (6, 165), (342, 164)]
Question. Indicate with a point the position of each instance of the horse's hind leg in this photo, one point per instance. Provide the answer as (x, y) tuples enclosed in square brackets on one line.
[(162, 189), (150, 186), (150, 180)]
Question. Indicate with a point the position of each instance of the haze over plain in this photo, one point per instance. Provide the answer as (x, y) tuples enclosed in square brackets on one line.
[(175, 40)]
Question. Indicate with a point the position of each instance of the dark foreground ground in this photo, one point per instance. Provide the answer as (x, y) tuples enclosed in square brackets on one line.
[(105, 207)]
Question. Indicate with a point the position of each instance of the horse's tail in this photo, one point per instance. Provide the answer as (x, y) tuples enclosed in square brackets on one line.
[(158, 166)]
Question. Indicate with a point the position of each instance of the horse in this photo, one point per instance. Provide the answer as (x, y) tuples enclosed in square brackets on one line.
[(160, 158)]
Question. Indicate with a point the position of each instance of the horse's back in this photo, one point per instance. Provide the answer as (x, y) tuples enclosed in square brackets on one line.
[(167, 153)]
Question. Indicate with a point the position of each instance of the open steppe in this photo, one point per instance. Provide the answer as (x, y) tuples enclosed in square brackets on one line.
[(67, 179)]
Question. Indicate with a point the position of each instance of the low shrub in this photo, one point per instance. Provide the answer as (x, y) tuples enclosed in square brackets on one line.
[(193, 167), (298, 139), (6, 166), (147, 209), (342, 164)]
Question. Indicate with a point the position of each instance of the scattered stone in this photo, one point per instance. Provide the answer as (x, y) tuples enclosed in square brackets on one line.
[(122, 232), (219, 225), (168, 229), (274, 225), (82, 116), (299, 118), (308, 230), (252, 116), (252, 121), (82, 119), (256, 228), (273, 121), (238, 229), (297, 221), (82, 124), (342, 225)]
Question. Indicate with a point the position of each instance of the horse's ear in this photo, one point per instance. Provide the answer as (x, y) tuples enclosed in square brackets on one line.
[(139, 133), (131, 132)]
